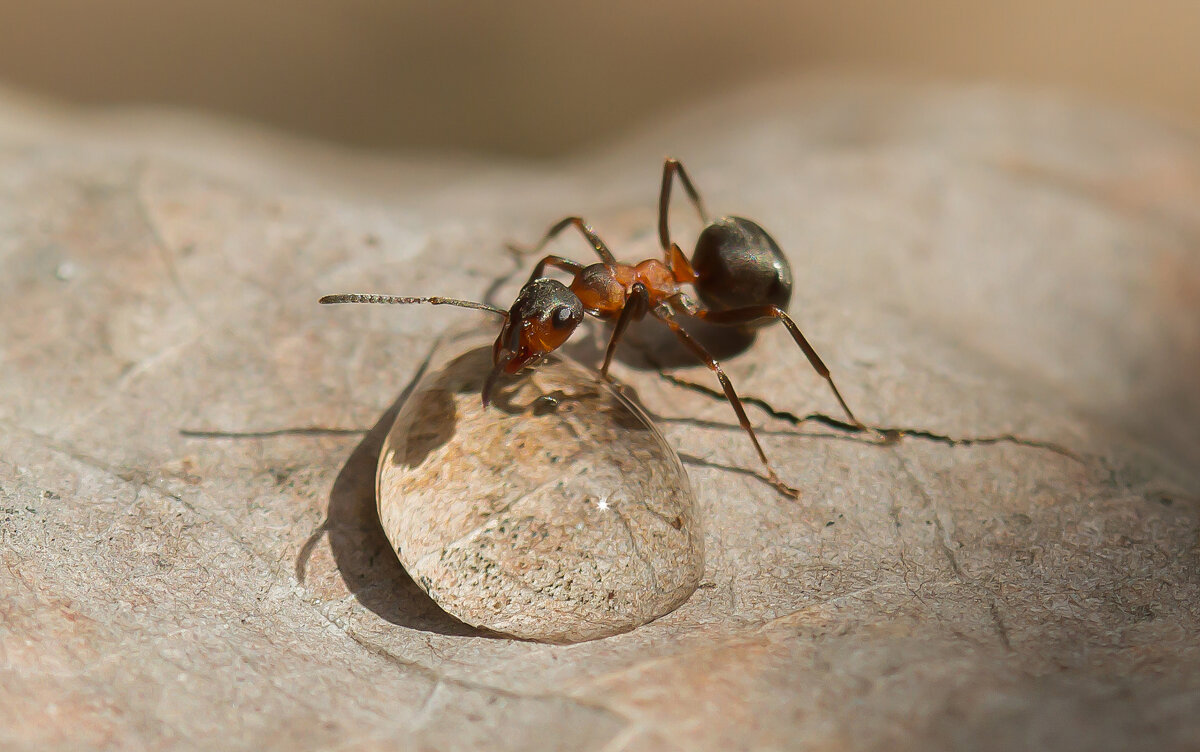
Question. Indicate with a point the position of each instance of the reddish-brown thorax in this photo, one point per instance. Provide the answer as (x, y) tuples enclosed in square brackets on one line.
[(604, 288)]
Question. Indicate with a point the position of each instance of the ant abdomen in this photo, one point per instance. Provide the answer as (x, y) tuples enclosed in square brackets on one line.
[(739, 265)]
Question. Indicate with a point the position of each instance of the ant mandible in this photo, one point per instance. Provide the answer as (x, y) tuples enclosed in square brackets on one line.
[(737, 270)]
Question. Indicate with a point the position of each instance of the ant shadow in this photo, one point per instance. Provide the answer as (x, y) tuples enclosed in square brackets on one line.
[(652, 336)]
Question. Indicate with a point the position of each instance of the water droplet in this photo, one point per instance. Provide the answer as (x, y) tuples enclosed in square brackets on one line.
[(557, 514)]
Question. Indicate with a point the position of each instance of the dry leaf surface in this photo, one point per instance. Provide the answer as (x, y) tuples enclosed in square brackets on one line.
[(189, 553)]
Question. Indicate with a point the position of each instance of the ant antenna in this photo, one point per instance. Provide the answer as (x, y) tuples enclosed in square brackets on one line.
[(358, 297)]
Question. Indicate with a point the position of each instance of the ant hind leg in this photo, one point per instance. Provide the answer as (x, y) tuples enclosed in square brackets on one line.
[(739, 316), (734, 400)]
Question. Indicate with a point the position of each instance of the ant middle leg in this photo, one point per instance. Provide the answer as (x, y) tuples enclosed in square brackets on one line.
[(739, 316), (730, 394), (671, 166)]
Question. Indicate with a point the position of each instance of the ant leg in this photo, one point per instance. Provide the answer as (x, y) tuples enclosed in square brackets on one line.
[(583, 227), (731, 395), (558, 262), (751, 314), (635, 308), (670, 167)]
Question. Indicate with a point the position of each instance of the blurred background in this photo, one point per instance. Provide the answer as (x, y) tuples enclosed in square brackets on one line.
[(541, 78)]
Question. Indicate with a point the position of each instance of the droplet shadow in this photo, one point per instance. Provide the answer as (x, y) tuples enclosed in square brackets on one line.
[(364, 557)]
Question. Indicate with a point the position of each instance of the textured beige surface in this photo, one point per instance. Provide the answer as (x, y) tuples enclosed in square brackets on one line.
[(970, 263)]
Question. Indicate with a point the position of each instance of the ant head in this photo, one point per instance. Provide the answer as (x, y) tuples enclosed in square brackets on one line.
[(543, 317)]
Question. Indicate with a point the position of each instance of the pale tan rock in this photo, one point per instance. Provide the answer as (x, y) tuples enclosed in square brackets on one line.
[(559, 513)]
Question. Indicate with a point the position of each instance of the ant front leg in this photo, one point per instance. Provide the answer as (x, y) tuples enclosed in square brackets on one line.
[(670, 167), (587, 232), (730, 394), (634, 309), (739, 316), (558, 262)]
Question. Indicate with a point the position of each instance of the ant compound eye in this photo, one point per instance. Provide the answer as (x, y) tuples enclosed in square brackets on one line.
[(563, 316)]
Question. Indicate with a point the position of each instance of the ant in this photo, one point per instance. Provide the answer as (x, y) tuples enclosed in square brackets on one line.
[(737, 270)]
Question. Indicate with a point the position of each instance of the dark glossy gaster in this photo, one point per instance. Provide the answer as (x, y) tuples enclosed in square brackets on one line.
[(737, 270)]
